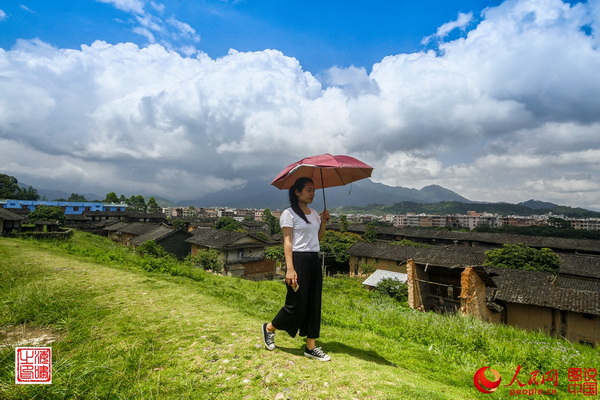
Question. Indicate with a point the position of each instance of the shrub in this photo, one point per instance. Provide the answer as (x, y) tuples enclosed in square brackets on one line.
[(393, 288), (367, 268), (207, 259), (152, 249)]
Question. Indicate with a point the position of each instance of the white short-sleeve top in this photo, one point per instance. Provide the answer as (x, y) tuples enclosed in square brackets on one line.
[(305, 237)]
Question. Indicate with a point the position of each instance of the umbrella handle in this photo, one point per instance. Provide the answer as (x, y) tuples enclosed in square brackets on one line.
[(323, 184)]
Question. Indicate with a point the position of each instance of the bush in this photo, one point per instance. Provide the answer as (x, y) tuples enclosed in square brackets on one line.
[(367, 268), (393, 288), (152, 249), (207, 259)]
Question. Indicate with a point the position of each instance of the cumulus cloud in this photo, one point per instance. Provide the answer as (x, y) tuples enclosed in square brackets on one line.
[(3, 15), (505, 113)]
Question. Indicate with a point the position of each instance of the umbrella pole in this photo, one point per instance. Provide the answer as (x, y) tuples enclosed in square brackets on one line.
[(323, 184)]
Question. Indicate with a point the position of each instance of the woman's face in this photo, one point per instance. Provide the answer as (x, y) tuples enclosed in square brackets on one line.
[(307, 194)]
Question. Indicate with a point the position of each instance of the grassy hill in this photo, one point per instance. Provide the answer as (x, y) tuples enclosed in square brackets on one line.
[(125, 333)]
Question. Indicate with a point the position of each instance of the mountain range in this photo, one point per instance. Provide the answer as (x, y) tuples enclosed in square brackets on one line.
[(259, 194), (365, 194)]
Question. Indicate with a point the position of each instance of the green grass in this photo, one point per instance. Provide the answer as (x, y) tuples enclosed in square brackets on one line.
[(127, 333)]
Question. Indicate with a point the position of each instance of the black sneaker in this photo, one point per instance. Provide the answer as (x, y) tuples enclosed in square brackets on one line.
[(317, 354), (268, 337)]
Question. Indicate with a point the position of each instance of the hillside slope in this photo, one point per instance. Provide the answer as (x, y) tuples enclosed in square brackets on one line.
[(126, 333)]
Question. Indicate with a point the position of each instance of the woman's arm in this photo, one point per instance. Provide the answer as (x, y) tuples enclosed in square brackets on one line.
[(291, 277), (324, 219)]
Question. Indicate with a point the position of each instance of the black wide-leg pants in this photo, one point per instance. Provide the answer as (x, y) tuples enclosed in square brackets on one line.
[(302, 309)]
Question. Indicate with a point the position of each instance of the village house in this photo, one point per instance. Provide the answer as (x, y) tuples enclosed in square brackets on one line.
[(124, 232), (242, 254), (171, 239), (9, 222), (69, 207), (46, 226), (483, 240), (451, 279)]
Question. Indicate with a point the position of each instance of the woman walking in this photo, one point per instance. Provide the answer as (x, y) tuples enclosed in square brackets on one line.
[(302, 229)]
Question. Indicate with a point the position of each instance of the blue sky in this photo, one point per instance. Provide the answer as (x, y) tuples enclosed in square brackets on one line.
[(320, 34), (496, 100)]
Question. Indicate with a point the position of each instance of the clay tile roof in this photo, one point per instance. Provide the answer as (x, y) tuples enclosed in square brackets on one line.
[(443, 256), (9, 215), (220, 239), (138, 228), (578, 265), (156, 234), (133, 228), (544, 289), (501, 238), (114, 227)]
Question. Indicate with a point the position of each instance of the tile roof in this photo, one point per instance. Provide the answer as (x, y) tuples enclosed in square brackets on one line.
[(220, 239), (443, 256), (116, 226), (492, 238), (158, 233), (543, 289), (9, 215), (133, 228), (579, 265)]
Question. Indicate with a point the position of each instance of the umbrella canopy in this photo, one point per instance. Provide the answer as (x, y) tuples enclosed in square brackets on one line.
[(325, 170)]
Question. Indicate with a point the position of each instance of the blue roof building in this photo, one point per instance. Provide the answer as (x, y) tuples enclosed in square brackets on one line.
[(70, 207)]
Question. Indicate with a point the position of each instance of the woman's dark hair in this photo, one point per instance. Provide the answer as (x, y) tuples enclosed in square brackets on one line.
[(298, 185)]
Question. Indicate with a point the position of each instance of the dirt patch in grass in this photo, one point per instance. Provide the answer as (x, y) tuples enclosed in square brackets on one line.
[(25, 335)]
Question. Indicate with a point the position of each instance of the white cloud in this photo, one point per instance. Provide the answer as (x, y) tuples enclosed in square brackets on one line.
[(24, 7), (506, 113), (463, 20), (150, 24), (3, 15), (130, 6)]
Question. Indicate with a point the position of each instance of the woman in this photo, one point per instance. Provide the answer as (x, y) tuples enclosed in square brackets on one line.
[(302, 229)]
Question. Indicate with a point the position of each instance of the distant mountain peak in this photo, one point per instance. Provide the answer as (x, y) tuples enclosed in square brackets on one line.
[(538, 205)]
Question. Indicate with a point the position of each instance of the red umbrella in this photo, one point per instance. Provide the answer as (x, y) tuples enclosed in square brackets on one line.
[(325, 170)]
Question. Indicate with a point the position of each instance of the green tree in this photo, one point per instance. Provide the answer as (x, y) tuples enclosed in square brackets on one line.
[(228, 224), (27, 194), (337, 244), (122, 199), (76, 197), (275, 253), (344, 223), (153, 206), (269, 218), (48, 213), (559, 223), (137, 203), (520, 256), (207, 259), (179, 224), (111, 198), (9, 186), (370, 232), (10, 189)]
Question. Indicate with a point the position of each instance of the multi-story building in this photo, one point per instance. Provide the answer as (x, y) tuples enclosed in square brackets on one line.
[(70, 207)]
